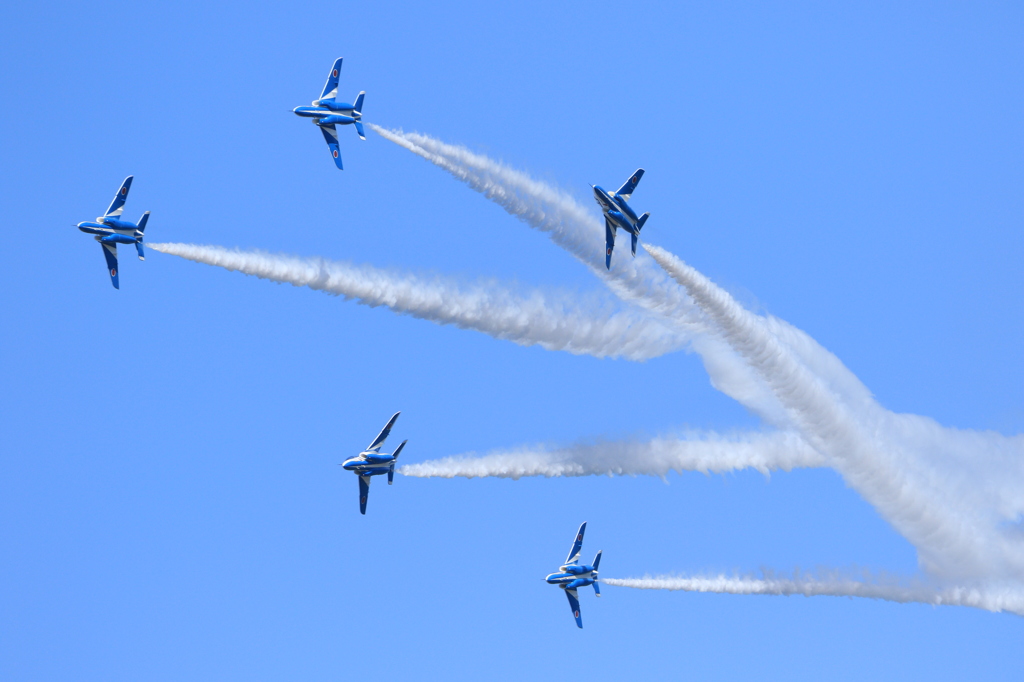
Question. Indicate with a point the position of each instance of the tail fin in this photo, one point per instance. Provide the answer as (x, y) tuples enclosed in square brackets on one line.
[(391, 469), (358, 106), (597, 560), (143, 220), (642, 220), (630, 185)]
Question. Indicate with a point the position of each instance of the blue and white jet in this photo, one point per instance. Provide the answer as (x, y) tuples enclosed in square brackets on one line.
[(373, 462), (572, 576), (110, 230), (327, 113), (617, 213)]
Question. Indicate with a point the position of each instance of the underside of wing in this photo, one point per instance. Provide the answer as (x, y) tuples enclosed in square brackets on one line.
[(117, 205), (331, 137), (378, 442), (364, 492), (628, 187), (110, 254), (577, 545), (331, 86), (574, 604), (609, 241)]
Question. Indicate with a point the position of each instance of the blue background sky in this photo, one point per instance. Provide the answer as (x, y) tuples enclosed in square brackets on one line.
[(170, 504)]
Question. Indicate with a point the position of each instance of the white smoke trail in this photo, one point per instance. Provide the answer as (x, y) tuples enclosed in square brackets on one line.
[(1009, 599), (887, 458), (581, 233), (705, 452), (549, 321), (957, 495)]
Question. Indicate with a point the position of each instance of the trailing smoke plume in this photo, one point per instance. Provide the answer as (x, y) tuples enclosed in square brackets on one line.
[(707, 453), (957, 495), (988, 599), (535, 317), (581, 232)]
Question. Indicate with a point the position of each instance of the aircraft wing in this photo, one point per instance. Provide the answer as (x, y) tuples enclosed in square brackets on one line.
[(331, 136), (117, 205), (609, 240), (577, 545), (629, 186), (364, 492), (378, 442), (331, 86), (574, 604), (110, 253)]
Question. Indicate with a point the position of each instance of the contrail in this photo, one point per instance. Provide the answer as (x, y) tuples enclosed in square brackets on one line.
[(552, 322), (957, 495), (637, 281), (705, 452), (1011, 600), (890, 459)]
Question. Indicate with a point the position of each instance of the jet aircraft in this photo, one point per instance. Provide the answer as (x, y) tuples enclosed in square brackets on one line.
[(110, 230), (571, 575), (617, 213), (372, 462), (327, 113)]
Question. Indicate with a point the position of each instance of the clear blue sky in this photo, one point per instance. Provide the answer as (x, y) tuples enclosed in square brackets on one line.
[(170, 501)]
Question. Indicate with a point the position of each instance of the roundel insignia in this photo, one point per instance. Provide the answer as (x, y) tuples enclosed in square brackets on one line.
[(124, 191), (335, 153), (609, 252), (113, 273), (334, 74), (576, 613), (633, 179)]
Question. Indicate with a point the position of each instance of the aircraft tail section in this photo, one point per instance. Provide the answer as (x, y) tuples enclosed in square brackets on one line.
[(358, 106), (633, 243), (643, 219), (629, 186), (117, 205), (597, 559), (143, 220), (391, 469), (359, 130)]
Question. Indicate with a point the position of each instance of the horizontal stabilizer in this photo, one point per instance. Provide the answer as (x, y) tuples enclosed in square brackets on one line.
[(641, 220), (117, 205), (597, 559), (629, 186), (633, 244), (143, 220), (358, 106), (359, 130), (139, 249)]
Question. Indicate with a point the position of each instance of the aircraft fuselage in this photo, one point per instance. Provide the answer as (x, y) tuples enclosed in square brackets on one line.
[(616, 208), (369, 463), (112, 230), (329, 112), (572, 576)]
